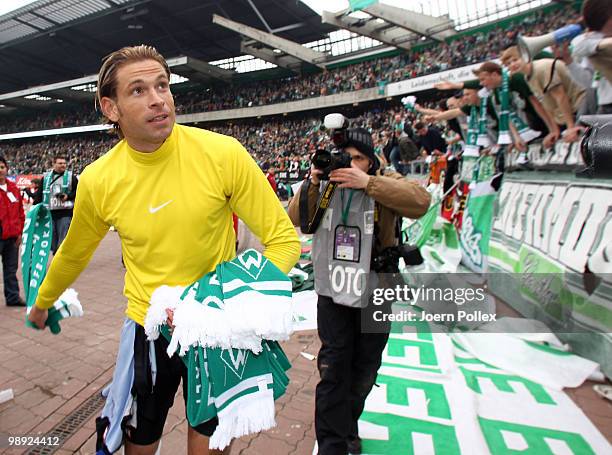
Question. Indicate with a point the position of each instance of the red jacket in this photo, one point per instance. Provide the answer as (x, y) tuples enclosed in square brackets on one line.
[(272, 181), (12, 215)]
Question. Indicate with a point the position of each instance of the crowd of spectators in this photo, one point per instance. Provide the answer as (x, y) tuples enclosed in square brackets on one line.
[(34, 156), (79, 115), (283, 144), (472, 48)]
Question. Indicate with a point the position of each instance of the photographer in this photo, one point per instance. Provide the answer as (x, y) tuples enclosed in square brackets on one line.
[(358, 226), (57, 192)]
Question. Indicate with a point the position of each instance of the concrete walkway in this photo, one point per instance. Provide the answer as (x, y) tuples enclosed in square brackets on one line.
[(57, 379)]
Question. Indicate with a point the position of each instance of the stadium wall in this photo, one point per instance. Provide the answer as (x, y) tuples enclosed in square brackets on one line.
[(548, 228)]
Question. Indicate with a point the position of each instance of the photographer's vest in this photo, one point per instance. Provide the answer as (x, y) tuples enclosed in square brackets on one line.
[(53, 184), (342, 248)]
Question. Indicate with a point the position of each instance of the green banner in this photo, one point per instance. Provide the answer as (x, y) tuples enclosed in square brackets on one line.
[(476, 228), (548, 228), (435, 396), (357, 5), (418, 232)]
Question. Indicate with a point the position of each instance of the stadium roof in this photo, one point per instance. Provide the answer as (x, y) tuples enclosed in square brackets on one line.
[(56, 40)]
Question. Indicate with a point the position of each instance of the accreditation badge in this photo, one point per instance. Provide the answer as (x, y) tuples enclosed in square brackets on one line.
[(347, 243)]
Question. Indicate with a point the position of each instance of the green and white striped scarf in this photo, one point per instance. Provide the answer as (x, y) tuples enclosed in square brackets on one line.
[(505, 115), (483, 136), (503, 134), (472, 148), (35, 248), (226, 327), (47, 180)]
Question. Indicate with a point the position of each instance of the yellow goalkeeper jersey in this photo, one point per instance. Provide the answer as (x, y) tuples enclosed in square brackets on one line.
[(172, 209)]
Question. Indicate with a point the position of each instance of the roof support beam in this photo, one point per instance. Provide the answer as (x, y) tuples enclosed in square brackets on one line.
[(437, 28), (177, 64), (275, 42), (73, 95), (260, 16), (192, 67), (284, 61), (391, 36)]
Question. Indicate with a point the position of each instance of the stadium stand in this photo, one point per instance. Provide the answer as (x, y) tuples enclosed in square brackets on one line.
[(276, 141), (473, 48)]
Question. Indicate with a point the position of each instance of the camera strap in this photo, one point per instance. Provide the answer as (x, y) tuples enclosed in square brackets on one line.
[(551, 76), (310, 226)]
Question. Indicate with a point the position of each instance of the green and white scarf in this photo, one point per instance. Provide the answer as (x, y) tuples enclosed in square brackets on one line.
[(503, 135), (35, 248), (505, 115), (524, 131), (47, 181), (471, 147), (236, 386), (409, 103), (254, 297), (483, 128), (226, 326), (485, 168)]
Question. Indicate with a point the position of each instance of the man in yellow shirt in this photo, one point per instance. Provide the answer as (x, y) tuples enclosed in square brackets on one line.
[(169, 190)]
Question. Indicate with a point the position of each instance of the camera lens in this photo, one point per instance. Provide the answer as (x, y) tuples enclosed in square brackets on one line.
[(322, 159)]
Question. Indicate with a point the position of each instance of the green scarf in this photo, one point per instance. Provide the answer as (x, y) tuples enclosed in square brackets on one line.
[(508, 114), (485, 169), (302, 277), (472, 149), (227, 324), (526, 133), (66, 180), (35, 248), (505, 115), (236, 386), (483, 136), (503, 135)]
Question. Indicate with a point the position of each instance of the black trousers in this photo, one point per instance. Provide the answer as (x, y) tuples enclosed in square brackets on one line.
[(348, 362), (10, 254)]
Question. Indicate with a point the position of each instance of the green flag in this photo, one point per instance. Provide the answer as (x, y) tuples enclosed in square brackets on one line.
[(418, 232), (476, 228), (357, 5)]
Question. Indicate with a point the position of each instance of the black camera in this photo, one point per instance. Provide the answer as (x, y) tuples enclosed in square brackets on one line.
[(388, 259), (327, 161)]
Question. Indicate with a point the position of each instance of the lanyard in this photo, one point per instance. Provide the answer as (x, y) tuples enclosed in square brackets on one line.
[(346, 208)]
